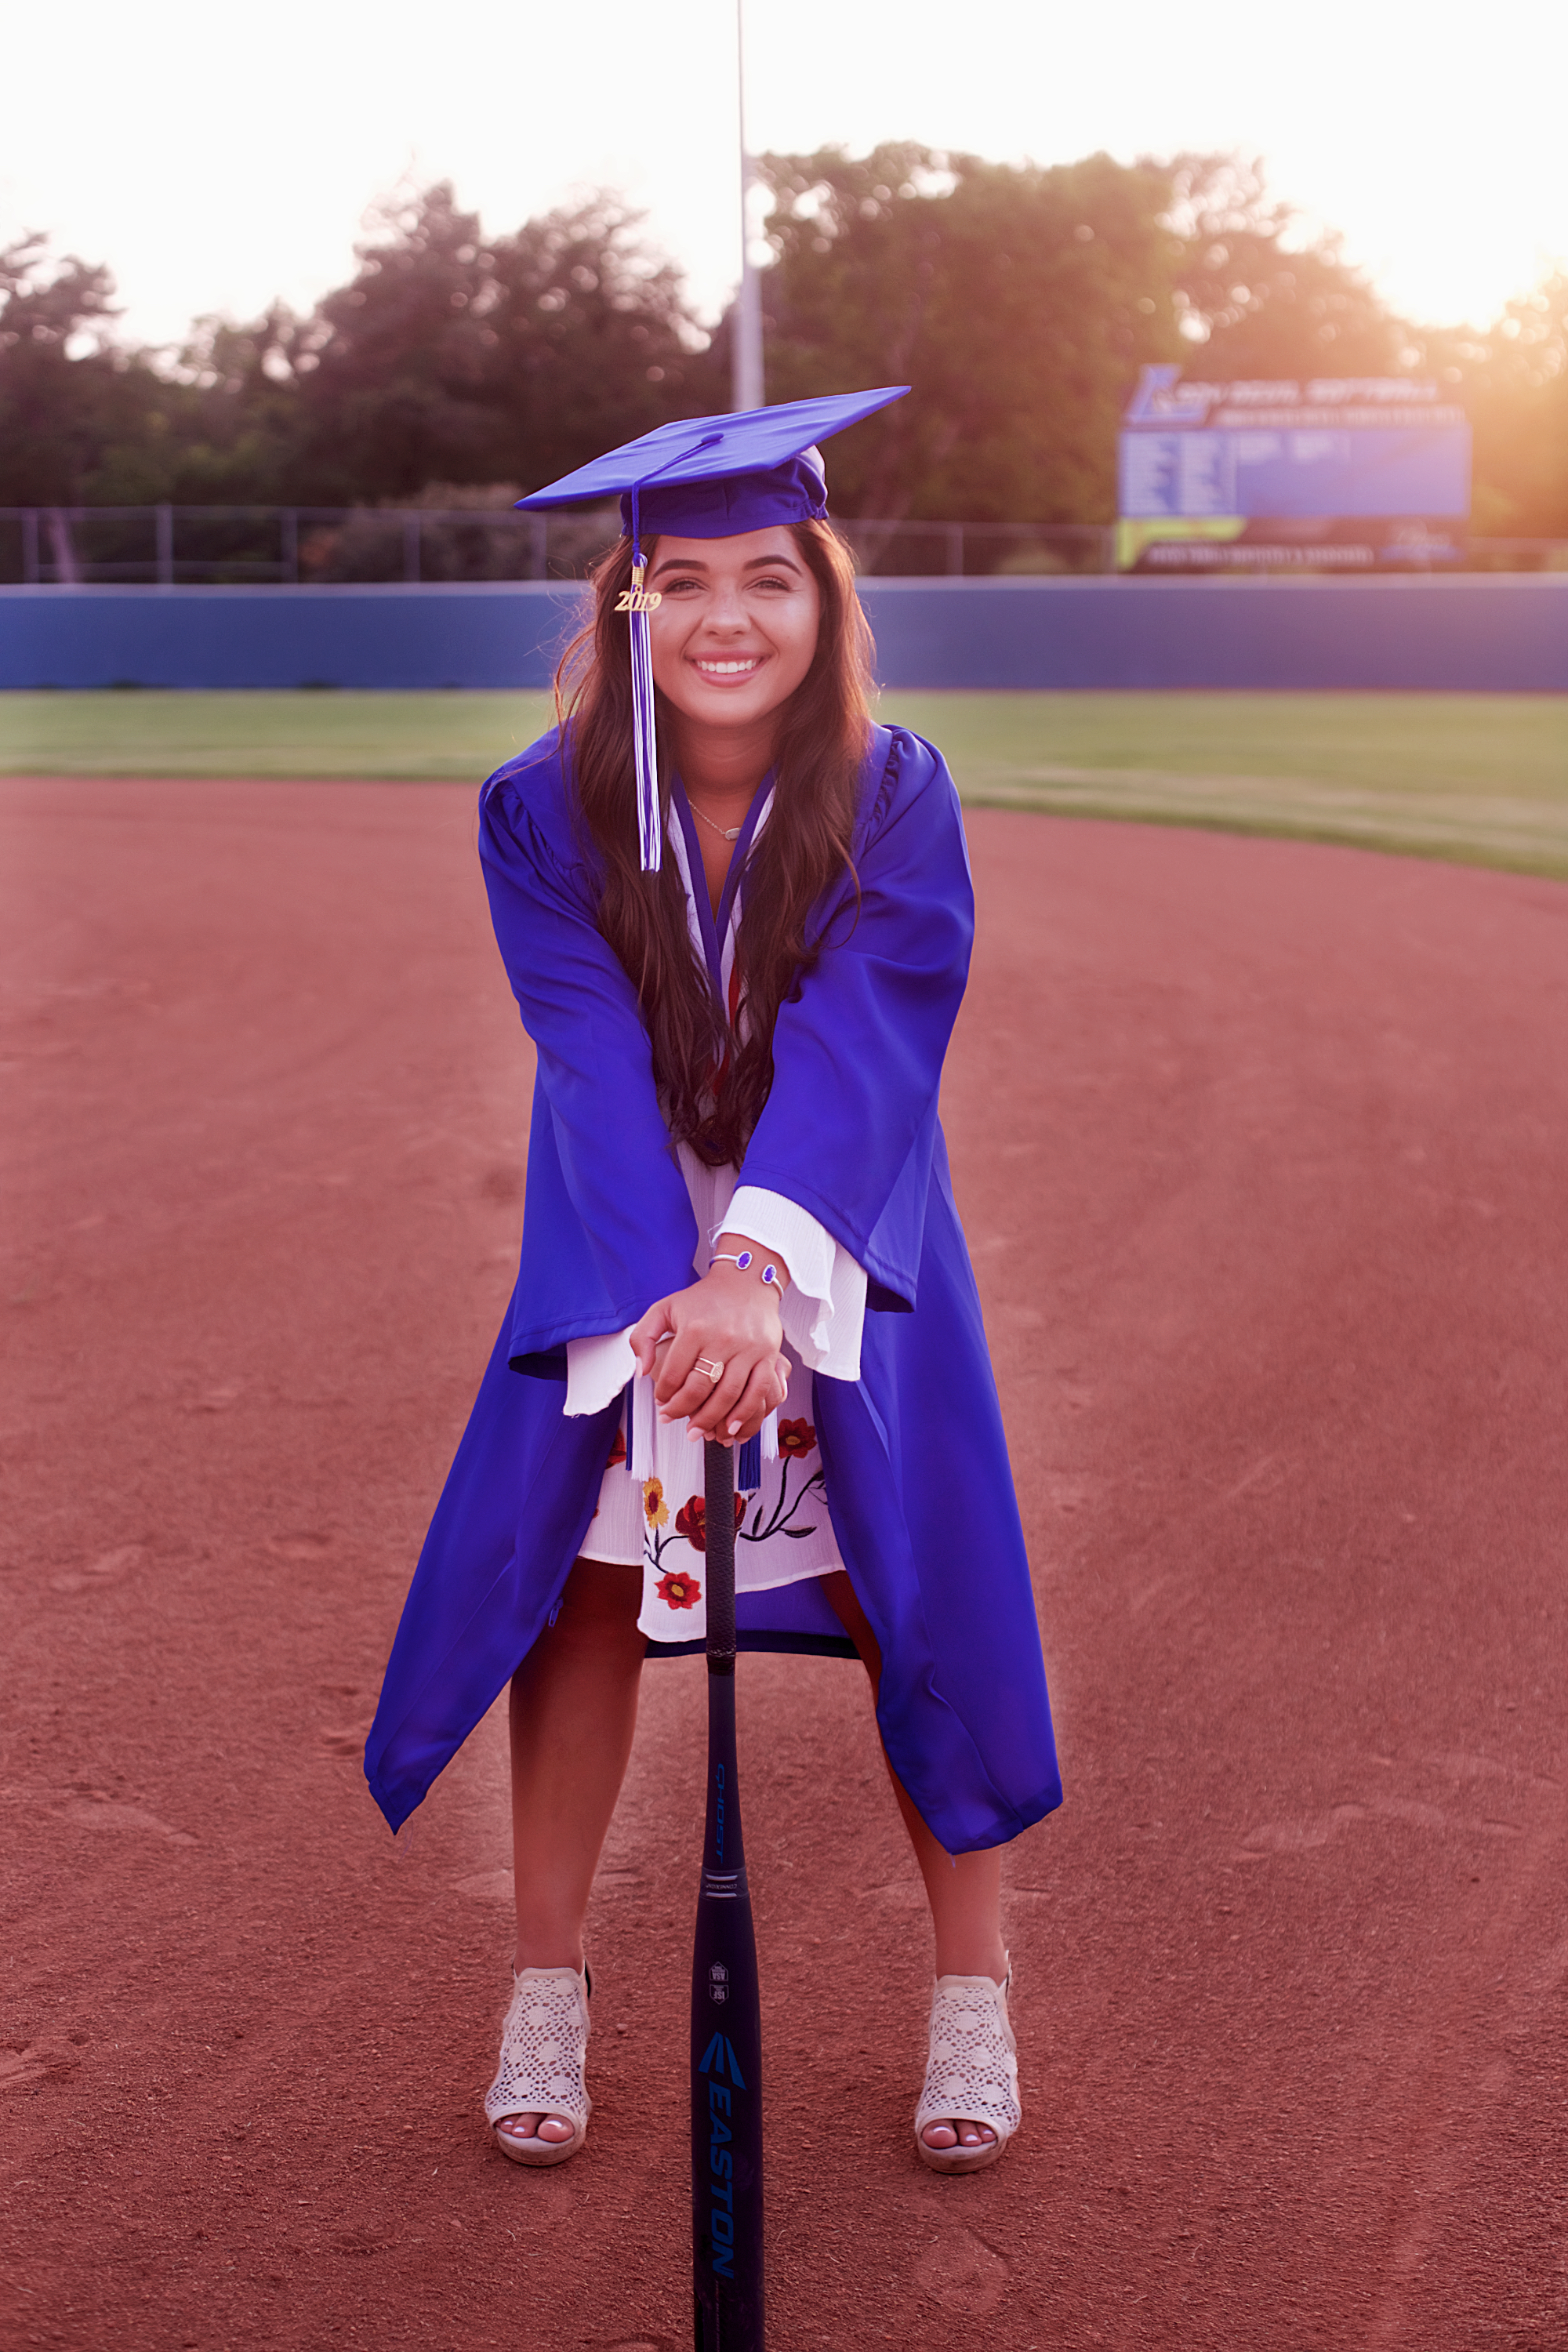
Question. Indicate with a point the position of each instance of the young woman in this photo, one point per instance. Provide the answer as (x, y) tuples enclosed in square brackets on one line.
[(738, 1224)]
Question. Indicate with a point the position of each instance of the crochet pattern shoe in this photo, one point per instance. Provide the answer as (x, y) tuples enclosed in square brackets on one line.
[(544, 2036), (972, 2069)]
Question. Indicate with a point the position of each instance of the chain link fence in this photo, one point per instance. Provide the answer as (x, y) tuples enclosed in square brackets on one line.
[(169, 546)]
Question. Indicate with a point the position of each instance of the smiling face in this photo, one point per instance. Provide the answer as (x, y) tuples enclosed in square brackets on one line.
[(735, 632)]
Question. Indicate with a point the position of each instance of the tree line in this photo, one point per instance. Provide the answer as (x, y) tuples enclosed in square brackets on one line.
[(1019, 301)]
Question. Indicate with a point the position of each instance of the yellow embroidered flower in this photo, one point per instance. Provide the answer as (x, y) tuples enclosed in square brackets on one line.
[(655, 1510)]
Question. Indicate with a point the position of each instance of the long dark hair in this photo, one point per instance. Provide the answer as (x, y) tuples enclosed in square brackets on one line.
[(713, 1088)]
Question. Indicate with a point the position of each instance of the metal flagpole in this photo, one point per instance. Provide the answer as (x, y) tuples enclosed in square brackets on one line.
[(747, 378)]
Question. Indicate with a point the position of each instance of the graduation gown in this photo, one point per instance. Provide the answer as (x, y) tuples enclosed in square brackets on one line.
[(917, 1478)]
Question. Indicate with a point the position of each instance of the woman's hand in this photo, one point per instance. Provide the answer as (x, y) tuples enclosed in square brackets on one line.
[(730, 1318)]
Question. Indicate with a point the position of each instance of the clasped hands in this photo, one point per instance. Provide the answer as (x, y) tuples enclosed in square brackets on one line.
[(730, 1318)]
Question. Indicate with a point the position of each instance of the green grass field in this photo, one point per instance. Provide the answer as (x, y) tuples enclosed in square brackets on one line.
[(1480, 777)]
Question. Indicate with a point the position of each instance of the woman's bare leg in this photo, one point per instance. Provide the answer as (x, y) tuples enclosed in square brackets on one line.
[(964, 1890), (573, 1711)]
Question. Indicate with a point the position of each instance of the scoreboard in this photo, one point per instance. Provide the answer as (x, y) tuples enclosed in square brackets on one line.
[(1338, 472)]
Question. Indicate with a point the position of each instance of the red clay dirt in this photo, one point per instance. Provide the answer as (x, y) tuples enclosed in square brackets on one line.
[(1261, 1150)]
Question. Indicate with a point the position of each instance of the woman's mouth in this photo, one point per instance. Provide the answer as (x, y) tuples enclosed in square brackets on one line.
[(731, 665)]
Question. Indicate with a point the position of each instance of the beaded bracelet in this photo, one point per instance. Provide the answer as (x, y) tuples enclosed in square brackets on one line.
[(727, 1257)]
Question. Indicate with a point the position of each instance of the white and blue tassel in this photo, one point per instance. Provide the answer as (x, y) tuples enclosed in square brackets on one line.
[(645, 737), (650, 827), (750, 1458)]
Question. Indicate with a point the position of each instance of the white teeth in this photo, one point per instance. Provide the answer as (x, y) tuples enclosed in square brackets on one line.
[(728, 668)]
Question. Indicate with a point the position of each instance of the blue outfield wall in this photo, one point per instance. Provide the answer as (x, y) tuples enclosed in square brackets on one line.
[(1503, 634)]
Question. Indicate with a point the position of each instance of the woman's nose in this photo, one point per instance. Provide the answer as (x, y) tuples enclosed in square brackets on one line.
[(727, 613)]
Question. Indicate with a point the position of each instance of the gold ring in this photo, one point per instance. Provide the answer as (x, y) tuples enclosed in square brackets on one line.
[(715, 1372)]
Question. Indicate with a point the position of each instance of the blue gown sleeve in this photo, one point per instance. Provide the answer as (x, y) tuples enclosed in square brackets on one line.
[(849, 1130), (609, 1226)]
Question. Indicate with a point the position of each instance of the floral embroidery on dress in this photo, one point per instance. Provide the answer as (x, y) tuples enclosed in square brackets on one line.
[(671, 1536), (691, 1520), (797, 1440), (772, 1516), (656, 1542)]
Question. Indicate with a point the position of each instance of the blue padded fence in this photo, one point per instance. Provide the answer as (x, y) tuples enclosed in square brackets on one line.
[(1498, 633)]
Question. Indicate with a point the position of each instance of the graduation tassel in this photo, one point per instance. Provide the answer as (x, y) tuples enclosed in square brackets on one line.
[(748, 1466), (645, 740), (650, 830), (642, 1427)]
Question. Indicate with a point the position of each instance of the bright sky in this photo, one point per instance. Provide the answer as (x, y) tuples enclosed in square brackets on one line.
[(214, 156)]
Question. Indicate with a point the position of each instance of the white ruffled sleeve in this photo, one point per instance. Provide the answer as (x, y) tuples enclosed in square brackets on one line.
[(824, 1309), (598, 1370)]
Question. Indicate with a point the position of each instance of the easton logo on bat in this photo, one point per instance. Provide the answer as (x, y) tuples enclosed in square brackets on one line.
[(718, 2059)]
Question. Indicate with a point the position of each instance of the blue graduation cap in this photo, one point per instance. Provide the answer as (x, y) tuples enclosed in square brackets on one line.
[(715, 476), (706, 477)]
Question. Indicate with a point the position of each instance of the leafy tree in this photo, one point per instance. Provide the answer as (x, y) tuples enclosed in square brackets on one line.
[(1514, 382), (1018, 302), (452, 357), (233, 413), (1263, 306), (62, 406), (444, 357)]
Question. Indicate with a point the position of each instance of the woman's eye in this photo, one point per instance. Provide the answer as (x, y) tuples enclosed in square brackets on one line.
[(674, 587)]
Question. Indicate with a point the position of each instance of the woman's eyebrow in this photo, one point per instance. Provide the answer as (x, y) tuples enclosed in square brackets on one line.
[(778, 562)]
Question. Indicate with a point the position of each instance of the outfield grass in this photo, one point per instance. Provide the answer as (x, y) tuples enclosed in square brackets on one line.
[(401, 737), (1481, 778)]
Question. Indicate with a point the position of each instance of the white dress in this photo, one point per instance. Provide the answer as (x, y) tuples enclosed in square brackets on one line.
[(651, 1507)]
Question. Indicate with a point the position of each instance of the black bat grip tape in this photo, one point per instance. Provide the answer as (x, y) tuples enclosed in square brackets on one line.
[(719, 1470)]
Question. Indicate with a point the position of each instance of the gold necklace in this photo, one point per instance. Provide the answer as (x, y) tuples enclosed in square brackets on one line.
[(730, 832)]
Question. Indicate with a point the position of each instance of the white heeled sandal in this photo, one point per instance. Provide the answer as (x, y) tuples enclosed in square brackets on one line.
[(972, 2069), (544, 2042)]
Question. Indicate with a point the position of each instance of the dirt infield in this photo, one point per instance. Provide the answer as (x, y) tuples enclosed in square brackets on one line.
[(1261, 1151)]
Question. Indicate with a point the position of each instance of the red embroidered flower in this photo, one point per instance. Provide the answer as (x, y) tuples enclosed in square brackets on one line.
[(796, 1437), (618, 1448), (678, 1591), (691, 1519)]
